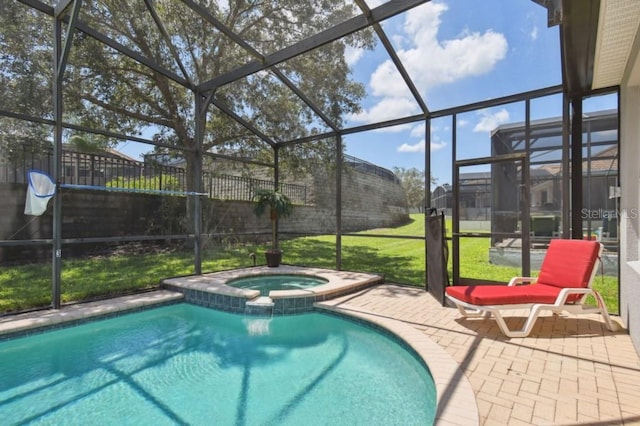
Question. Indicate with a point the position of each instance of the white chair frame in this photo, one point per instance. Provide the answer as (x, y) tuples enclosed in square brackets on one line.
[(469, 310)]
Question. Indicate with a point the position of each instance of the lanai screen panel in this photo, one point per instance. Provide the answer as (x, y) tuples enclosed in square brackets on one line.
[(171, 34), (264, 102), (441, 146), (271, 26), (131, 25), (460, 52), (112, 91), (322, 75), (386, 93), (227, 136), (26, 50), (307, 175)]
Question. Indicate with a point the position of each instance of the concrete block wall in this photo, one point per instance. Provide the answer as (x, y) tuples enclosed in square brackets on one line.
[(368, 201)]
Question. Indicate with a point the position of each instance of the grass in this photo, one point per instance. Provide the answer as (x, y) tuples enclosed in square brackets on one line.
[(29, 286), (400, 260)]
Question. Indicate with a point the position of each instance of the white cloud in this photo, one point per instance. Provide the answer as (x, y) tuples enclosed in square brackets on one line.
[(419, 146), (352, 55), (374, 3), (418, 131), (398, 39), (490, 120), (432, 62), (386, 81), (462, 122), (387, 107), (534, 33), (436, 146)]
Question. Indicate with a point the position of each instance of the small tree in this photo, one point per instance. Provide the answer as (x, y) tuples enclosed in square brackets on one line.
[(279, 205), (413, 183)]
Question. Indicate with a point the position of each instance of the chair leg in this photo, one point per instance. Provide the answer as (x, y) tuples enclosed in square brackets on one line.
[(525, 330), (603, 311)]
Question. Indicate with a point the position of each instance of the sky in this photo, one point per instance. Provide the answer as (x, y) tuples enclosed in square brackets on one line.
[(457, 52)]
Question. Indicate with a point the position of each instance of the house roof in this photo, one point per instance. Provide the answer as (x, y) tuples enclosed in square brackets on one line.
[(603, 163)]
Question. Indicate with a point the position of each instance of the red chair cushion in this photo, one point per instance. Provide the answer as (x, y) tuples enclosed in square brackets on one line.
[(504, 295), (569, 263)]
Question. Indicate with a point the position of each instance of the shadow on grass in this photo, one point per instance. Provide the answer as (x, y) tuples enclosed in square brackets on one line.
[(25, 287)]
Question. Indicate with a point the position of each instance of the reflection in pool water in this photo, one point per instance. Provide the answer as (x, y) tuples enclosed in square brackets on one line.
[(184, 364)]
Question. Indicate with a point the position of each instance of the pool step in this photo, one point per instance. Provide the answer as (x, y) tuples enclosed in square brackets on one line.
[(262, 305)]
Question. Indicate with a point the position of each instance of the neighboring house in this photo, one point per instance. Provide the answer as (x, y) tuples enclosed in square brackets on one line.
[(599, 171), (79, 168), (599, 175)]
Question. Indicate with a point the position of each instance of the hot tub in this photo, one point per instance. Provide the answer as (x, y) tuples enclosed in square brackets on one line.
[(266, 283), (225, 290)]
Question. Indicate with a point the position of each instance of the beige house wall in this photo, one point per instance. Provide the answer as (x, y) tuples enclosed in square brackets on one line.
[(629, 212)]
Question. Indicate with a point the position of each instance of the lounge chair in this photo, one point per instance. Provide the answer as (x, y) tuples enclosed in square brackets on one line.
[(564, 282)]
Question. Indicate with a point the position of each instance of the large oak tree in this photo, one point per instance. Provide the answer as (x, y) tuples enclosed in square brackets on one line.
[(104, 89)]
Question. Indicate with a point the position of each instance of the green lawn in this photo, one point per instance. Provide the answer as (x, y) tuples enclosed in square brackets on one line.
[(400, 260)]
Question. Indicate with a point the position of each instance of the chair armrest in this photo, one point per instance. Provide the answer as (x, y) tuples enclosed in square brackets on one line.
[(521, 280), (566, 292)]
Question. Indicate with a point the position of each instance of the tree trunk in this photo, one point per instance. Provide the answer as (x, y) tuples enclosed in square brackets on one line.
[(190, 177), (274, 224)]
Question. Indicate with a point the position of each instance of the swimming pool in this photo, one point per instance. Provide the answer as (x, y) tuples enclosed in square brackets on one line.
[(183, 364), (266, 283)]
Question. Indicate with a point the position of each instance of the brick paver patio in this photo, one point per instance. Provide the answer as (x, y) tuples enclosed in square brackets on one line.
[(570, 371)]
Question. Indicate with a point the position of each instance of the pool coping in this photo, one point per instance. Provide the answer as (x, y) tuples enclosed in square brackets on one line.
[(211, 289), (19, 325)]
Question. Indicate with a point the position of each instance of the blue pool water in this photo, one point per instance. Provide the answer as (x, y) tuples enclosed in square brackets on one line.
[(266, 283), (184, 364)]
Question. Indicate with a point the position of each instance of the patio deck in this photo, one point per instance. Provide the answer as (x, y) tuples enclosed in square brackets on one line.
[(570, 371)]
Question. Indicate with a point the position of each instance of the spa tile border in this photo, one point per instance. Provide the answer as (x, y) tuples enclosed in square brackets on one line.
[(211, 290)]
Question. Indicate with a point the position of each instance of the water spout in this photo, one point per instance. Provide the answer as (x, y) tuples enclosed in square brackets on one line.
[(253, 256)]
